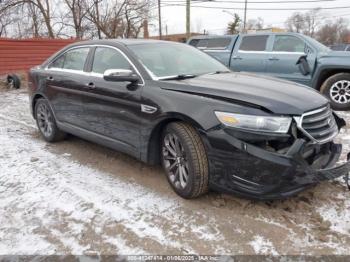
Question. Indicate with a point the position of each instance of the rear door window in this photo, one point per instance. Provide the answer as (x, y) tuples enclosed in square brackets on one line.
[(57, 63), (287, 43), (254, 43), (75, 59)]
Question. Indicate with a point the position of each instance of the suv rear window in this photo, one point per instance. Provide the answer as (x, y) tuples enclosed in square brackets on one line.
[(254, 43)]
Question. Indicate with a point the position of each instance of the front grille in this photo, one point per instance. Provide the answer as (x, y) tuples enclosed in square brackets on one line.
[(319, 125)]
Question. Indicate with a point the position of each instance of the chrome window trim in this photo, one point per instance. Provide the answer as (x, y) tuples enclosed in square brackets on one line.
[(272, 52), (94, 74), (299, 121)]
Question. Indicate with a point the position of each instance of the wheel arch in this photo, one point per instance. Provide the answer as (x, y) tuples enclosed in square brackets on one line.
[(35, 98), (327, 73), (152, 155)]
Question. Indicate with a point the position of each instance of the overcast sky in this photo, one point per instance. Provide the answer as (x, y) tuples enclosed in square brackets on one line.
[(215, 20)]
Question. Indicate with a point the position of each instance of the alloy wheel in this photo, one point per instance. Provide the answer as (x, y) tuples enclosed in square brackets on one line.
[(340, 92), (45, 120), (175, 161)]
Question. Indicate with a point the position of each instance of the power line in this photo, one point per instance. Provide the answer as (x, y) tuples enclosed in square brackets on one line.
[(262, 9), (250, 2)]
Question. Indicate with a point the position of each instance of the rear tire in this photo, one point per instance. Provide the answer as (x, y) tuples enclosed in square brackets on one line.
[(46, 122), (337, 89), (184, 160)]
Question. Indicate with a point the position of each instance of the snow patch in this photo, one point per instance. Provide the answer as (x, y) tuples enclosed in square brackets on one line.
[(263, 246)]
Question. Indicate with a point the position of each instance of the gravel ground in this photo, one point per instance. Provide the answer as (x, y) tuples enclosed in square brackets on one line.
[(75, 197)]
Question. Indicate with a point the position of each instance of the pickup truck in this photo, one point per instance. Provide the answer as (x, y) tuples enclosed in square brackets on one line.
[(290, 56)]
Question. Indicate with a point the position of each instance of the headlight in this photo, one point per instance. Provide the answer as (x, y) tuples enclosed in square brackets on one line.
[(255, 123)]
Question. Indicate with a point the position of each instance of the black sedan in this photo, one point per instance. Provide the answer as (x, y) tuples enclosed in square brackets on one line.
[(171, 104)]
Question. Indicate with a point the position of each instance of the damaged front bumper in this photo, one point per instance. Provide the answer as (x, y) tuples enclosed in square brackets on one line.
[(255, 172)]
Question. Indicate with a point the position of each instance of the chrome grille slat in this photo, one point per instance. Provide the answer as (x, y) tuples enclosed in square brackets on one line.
[(315, 126), (307, 120), (318, 125)]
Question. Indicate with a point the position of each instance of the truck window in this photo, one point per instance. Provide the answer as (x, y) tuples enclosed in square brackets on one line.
[(202, 43), (348, 48), (219, 43), (254, 43), (287, 43)]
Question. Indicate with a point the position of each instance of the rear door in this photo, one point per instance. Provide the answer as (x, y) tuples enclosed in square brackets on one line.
[(112, 109), (250, 54), (64, 85), (285, 53)]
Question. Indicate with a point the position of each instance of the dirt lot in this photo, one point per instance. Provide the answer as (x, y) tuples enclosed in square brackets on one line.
[(76, 197)]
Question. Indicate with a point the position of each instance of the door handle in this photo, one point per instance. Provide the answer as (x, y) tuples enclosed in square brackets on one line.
[(90, 85), (273, 58), (50, 78), (237, 57)]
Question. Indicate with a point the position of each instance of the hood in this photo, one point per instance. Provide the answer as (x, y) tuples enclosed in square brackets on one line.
[(277, 96)]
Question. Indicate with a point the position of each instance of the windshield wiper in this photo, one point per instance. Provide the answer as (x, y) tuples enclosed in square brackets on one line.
[(177, 77)]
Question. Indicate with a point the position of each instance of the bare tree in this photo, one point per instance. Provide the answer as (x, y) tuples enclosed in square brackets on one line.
[(296, 23), (78, 11), (312, 21), (43, 7), (257, 24), (334, 32), (124, 19)]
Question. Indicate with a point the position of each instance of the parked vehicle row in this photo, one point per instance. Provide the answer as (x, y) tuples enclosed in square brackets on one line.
[(289, 56), (171, 104)]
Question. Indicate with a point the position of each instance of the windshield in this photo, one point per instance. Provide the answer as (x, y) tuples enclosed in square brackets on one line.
[(317, 45), (171, 59)]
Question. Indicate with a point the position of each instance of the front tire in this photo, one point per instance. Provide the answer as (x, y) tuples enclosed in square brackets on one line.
[(184, 160), (46, 122), (337, 90)]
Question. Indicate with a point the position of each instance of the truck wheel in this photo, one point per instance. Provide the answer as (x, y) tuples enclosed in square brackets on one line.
[(13, 81), (184, 160), (337, 89)]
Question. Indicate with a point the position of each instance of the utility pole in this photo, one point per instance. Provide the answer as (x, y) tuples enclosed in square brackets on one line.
[(245, 16), (188, 18), (160, 20)]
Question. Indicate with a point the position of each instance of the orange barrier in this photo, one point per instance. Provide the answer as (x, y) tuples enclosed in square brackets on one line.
[(22, 54)]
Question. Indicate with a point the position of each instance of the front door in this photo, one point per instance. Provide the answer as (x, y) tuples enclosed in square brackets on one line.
[(283, 58), (113, 109)]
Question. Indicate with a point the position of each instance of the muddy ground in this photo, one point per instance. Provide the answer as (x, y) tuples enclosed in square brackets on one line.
[(75, 197)]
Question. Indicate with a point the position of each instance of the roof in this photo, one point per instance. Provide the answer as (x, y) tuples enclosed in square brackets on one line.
[(126, 42), (230, 36)]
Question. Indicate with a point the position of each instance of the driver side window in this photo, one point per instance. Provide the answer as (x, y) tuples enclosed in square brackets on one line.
[(107, 58)]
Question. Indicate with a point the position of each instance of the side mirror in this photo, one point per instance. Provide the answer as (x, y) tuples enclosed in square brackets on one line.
[(120, 75), (303, 65)]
